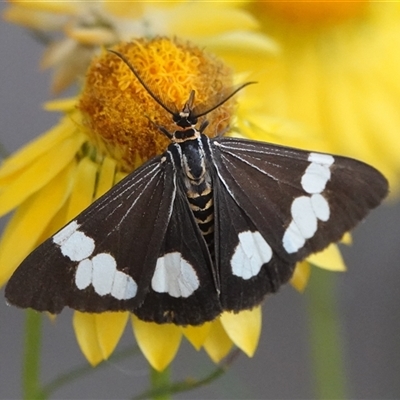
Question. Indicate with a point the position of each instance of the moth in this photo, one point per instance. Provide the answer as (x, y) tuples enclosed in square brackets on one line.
[(210, 225)]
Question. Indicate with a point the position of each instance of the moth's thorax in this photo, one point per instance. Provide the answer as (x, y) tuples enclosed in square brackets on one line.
[(192, 155)]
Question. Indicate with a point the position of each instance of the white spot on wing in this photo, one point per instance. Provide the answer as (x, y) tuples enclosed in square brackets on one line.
[(101, 272), (124, 287), (131, 288), (84, 274), (64, 234), (175, 276), (104, 269), (250, 254), (320, 207), (78, 246), (307, 210), (293, 240), (315, 178), (319, 158), (304, 216)]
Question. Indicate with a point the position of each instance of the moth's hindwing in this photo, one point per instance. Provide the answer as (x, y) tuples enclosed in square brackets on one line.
[(183, 288), (275, 205), (105, 258)]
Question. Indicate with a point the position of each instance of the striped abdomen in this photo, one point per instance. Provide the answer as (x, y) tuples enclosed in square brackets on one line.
[(202, 205)]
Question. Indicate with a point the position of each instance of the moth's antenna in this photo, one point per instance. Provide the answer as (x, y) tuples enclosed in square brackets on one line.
[(130, 66), (224, 100)]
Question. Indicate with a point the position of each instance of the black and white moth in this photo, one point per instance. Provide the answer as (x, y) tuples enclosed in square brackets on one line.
[(208, 226)]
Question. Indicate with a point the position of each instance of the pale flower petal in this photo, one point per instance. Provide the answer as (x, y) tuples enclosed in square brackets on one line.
[(242, 44), (37, 20), (57, 52), (210, 20), (93, 36)]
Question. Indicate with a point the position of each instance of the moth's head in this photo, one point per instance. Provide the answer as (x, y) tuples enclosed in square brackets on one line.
[(186, 118)]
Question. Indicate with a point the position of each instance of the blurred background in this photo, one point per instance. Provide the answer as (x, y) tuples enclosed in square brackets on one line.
[(368, 295)]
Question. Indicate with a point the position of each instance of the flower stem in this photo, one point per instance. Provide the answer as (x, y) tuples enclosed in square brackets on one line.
[(189, 383), (31, 360), (325, 336), (159, 380), (83, 370)]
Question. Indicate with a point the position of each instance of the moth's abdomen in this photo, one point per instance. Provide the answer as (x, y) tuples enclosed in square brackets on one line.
[(202, 205)]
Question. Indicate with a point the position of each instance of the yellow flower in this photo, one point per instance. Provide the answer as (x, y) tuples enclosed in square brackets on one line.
[(337, 76), (105, 134), (75, 31)]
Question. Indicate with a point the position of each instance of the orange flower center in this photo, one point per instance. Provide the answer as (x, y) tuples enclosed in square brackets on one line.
[(306, 12), (122, 119)]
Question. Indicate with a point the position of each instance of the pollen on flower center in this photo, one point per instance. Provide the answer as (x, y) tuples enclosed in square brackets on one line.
[(122, 119)]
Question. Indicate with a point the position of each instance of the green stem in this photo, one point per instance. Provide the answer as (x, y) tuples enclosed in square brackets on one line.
[(31, 360), (325, 336), (189, 383), (80, 372), (160, 380)]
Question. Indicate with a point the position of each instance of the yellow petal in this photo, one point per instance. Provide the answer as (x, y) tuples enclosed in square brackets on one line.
[(64, 105), (99, 334), (219, 20), (26, 227), (39, 173), (301, 276), (241, 49), (56, 223), (131, 9), (329, 259), (83, 189), (244, 328), (92, 36), (45, 143), (347, 238), (69, 62), (119, 176), (197, 335), (158, 343), (110, 327), (58, 52), (86, 335), (106, 177), (33, 19), (56, 7), (218, 343)]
